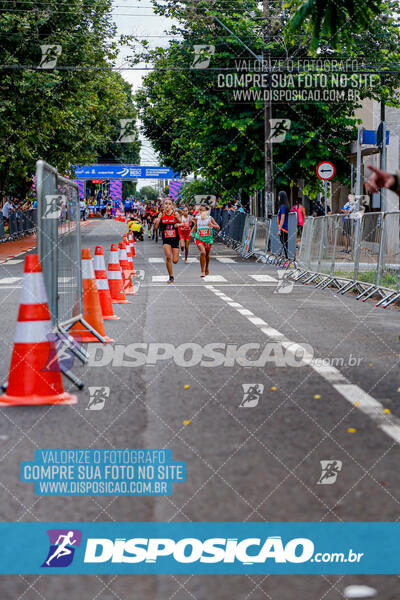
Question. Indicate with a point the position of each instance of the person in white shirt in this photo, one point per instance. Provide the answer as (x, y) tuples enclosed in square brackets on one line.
[(7, 208)]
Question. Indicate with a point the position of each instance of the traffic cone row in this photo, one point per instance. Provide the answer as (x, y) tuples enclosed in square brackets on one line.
[(35, 374), (115, 278), (119, 216), (92, 312), (103, 285)]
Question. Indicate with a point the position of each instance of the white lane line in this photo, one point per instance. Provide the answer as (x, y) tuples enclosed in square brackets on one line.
[(244, 311), (214, 278), (10, 287), (192, 260), (156, 260), (10, 280), (178, 283), (355, 395), (263, 278), (158, 278), (225, 260), (235, 304), (13, 261)]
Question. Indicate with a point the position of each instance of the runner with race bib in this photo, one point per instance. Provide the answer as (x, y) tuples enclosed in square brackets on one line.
[(204, 224), (185, 231), (168, 221)]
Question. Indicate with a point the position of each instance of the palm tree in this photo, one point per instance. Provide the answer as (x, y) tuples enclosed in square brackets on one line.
[(334, 20)]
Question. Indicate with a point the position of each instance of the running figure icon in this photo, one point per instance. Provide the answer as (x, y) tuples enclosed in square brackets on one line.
[(62, 549)]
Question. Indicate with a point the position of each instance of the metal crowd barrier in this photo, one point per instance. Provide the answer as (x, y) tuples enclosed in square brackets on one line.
[(59, 248), (358, 251), (232, 225), (20, 223)]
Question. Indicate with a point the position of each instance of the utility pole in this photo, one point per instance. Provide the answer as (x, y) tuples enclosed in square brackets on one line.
[(383, 160), (269, 164)]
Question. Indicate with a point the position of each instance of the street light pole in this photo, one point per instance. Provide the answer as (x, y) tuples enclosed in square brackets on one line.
[(268, 156)]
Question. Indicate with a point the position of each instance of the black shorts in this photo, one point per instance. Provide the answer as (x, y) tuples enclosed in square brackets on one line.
[(173, 242)]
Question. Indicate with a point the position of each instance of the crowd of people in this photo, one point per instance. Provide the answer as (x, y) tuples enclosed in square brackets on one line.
[(10, 205)]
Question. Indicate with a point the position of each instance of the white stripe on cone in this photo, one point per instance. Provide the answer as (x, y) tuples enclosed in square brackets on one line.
[(114, 260), (33, 289), (114, 275), (87, 269), (32, 332), (98, 262), (122, 254), (102, 284)]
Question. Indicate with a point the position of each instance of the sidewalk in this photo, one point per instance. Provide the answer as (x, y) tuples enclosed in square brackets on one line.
[(15, 248)]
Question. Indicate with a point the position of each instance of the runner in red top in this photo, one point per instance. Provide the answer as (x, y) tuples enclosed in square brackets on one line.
[(185, 230), (168, 221)]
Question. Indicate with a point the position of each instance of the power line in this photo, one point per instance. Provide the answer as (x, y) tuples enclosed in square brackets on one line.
[(367, 69)]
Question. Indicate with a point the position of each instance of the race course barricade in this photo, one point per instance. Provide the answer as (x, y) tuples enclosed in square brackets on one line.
[(352, 252), (59, 248), (20, 223), (232, 225)]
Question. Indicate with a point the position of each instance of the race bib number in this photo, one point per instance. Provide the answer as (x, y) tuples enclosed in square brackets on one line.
[(170, 233), (204, 232)]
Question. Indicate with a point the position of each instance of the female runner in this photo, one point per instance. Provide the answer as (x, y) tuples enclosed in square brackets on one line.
[(185, 232), (168, 220), (202, 233)]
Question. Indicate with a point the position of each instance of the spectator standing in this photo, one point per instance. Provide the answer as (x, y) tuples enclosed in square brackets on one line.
[(299, 209), (283, 221), (7, 208)]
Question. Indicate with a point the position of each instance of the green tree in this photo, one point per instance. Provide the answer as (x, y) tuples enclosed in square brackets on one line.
[(334, 20), (149, 193), (194, 126), (129, 188), (198, 187), (67, 115)]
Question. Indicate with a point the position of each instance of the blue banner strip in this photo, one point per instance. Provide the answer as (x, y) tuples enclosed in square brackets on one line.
[(203, 548)]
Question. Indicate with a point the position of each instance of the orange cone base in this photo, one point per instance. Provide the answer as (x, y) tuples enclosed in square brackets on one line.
[(111, 318), (130, 292), (121, 302), (86, 337), (67, 399)]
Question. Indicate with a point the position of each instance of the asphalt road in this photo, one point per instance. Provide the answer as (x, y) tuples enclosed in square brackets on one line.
[(259, 463)]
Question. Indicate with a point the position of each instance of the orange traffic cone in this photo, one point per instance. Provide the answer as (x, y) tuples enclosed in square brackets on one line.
[(131, 239), (115, 278), (126, 269), (130, 261), (92, 314), (102, 285), (35, 376)]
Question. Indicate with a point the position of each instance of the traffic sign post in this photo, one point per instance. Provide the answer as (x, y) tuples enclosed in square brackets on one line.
[(326, 171)]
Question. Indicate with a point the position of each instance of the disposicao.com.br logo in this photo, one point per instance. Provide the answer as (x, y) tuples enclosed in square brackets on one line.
[(249, 551)]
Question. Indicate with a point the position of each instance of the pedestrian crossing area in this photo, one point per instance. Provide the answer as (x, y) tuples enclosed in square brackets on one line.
[(268, 279)]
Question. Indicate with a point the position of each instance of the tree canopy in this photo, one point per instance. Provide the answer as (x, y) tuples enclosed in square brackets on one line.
[(68, 115), (196, 126)]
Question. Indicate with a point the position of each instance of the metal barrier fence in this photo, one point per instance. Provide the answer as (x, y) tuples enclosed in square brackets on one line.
[(356, 251), (232, 226), (255, 236), (20, 223), (59, 248)]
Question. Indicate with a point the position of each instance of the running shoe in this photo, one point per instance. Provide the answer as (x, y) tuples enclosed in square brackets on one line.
[(171, 280)]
